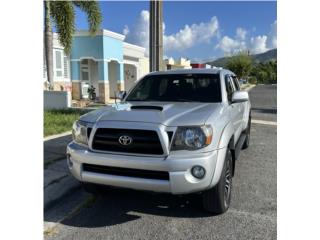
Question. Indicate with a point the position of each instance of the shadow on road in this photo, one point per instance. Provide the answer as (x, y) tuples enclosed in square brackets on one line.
[(117, 206), (265, 110)]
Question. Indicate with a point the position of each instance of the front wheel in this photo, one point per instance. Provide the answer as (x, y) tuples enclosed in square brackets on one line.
[(217, 199)]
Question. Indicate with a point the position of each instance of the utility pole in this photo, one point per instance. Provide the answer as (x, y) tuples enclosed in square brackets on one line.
[(156, 35)]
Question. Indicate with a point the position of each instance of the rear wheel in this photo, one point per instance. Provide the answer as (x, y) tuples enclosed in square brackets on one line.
[(217, 199), (247, 131)]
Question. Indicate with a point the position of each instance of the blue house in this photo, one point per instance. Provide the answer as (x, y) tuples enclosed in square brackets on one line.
[(104, 61)]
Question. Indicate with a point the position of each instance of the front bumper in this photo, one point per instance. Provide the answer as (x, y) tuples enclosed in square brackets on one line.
[(180, 180)]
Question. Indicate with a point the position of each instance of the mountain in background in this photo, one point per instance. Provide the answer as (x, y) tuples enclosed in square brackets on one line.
[(256, 58)]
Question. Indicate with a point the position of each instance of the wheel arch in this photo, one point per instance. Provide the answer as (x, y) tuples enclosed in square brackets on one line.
[(226, 142)]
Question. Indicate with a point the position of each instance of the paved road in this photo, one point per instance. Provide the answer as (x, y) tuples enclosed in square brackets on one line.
[(264, 102), (125, 214)]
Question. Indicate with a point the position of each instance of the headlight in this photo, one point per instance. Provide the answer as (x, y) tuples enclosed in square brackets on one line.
[(79, 132), (192, 138)]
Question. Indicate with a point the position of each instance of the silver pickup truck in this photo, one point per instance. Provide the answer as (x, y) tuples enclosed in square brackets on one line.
[(177, 131)]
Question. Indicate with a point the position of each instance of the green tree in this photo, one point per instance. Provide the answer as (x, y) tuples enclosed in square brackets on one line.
[(240, 64), (62, 15), (265, 72)]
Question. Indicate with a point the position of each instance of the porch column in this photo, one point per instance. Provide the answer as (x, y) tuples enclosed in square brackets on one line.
[(75, 78), (103, 82), (121, 77)]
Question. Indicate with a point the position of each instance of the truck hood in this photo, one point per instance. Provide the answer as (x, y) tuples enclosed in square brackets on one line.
[(168, 114)]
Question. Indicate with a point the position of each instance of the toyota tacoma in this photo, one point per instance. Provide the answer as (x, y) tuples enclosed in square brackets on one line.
[(177, 131)]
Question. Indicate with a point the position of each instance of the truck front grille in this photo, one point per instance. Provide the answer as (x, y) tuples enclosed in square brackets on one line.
[(126, 172), (143, 141)]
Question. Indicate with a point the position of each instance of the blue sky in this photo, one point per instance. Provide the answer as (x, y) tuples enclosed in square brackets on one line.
[(214, 29)]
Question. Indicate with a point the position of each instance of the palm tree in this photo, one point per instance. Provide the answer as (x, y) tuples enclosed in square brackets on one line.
[(62, 15)]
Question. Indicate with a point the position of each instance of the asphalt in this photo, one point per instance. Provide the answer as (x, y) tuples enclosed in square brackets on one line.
[(127, 214), (264, 102)]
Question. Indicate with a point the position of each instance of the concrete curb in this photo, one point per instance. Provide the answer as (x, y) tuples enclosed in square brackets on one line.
[(256, 121), (248, 88), (57, 136)]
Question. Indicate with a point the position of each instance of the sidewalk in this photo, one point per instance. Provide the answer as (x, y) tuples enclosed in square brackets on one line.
[(57, 178)]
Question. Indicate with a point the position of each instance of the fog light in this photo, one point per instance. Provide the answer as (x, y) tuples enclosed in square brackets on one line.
[(198, 172), (70, 163)]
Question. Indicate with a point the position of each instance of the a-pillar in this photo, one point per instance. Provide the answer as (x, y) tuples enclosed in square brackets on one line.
[(103, 82)]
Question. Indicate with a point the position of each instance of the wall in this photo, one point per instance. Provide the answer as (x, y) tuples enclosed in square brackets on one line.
[(112, 49), (87, 46), (56, 99), (144, 67), (113, 77), (94, 75), (130, 76)]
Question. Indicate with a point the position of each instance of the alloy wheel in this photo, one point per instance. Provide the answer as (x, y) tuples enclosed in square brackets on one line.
[(228, 184)]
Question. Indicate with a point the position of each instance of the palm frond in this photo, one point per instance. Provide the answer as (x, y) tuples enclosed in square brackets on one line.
[(92, 9), (63, 16)]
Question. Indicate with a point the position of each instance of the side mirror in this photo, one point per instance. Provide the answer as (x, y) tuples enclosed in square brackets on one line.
[(121, 95), (240, 96)]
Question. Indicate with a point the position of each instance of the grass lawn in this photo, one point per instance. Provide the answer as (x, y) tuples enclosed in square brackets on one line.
[(59, 121)]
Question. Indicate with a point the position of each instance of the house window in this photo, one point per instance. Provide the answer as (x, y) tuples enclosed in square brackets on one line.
[(58, 70), (65, 66), (85, 71), (61, 65)]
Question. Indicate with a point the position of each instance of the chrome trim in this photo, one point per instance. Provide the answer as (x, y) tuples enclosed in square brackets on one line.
[(160, 129)]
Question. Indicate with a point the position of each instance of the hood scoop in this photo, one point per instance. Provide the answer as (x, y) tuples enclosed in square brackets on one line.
[(158, 108)]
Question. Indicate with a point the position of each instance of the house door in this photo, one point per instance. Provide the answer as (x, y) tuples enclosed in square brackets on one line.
[(85, 77)]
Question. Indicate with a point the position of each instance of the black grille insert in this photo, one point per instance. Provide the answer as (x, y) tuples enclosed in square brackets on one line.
[(126, 172), (170, 134), (143, 141)]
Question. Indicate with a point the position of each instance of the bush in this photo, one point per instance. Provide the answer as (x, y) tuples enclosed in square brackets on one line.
[(265, 72), (253, 80)]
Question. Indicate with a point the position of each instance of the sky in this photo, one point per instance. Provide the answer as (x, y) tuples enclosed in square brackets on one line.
[(195, 30)]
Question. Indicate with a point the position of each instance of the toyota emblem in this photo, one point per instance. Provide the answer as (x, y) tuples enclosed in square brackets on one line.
[(125, 140)]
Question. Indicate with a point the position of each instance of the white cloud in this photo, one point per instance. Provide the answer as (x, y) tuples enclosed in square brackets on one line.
[(126, 30), (139, 34), (183, 39), (191, 35), (230, 45), (272, 38), (241, 33), (258, 44)]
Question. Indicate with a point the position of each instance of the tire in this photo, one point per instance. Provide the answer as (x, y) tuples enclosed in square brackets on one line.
[(247, 131), (217, 199)]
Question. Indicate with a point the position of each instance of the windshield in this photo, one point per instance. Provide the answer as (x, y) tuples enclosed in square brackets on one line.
[(178, 88)]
